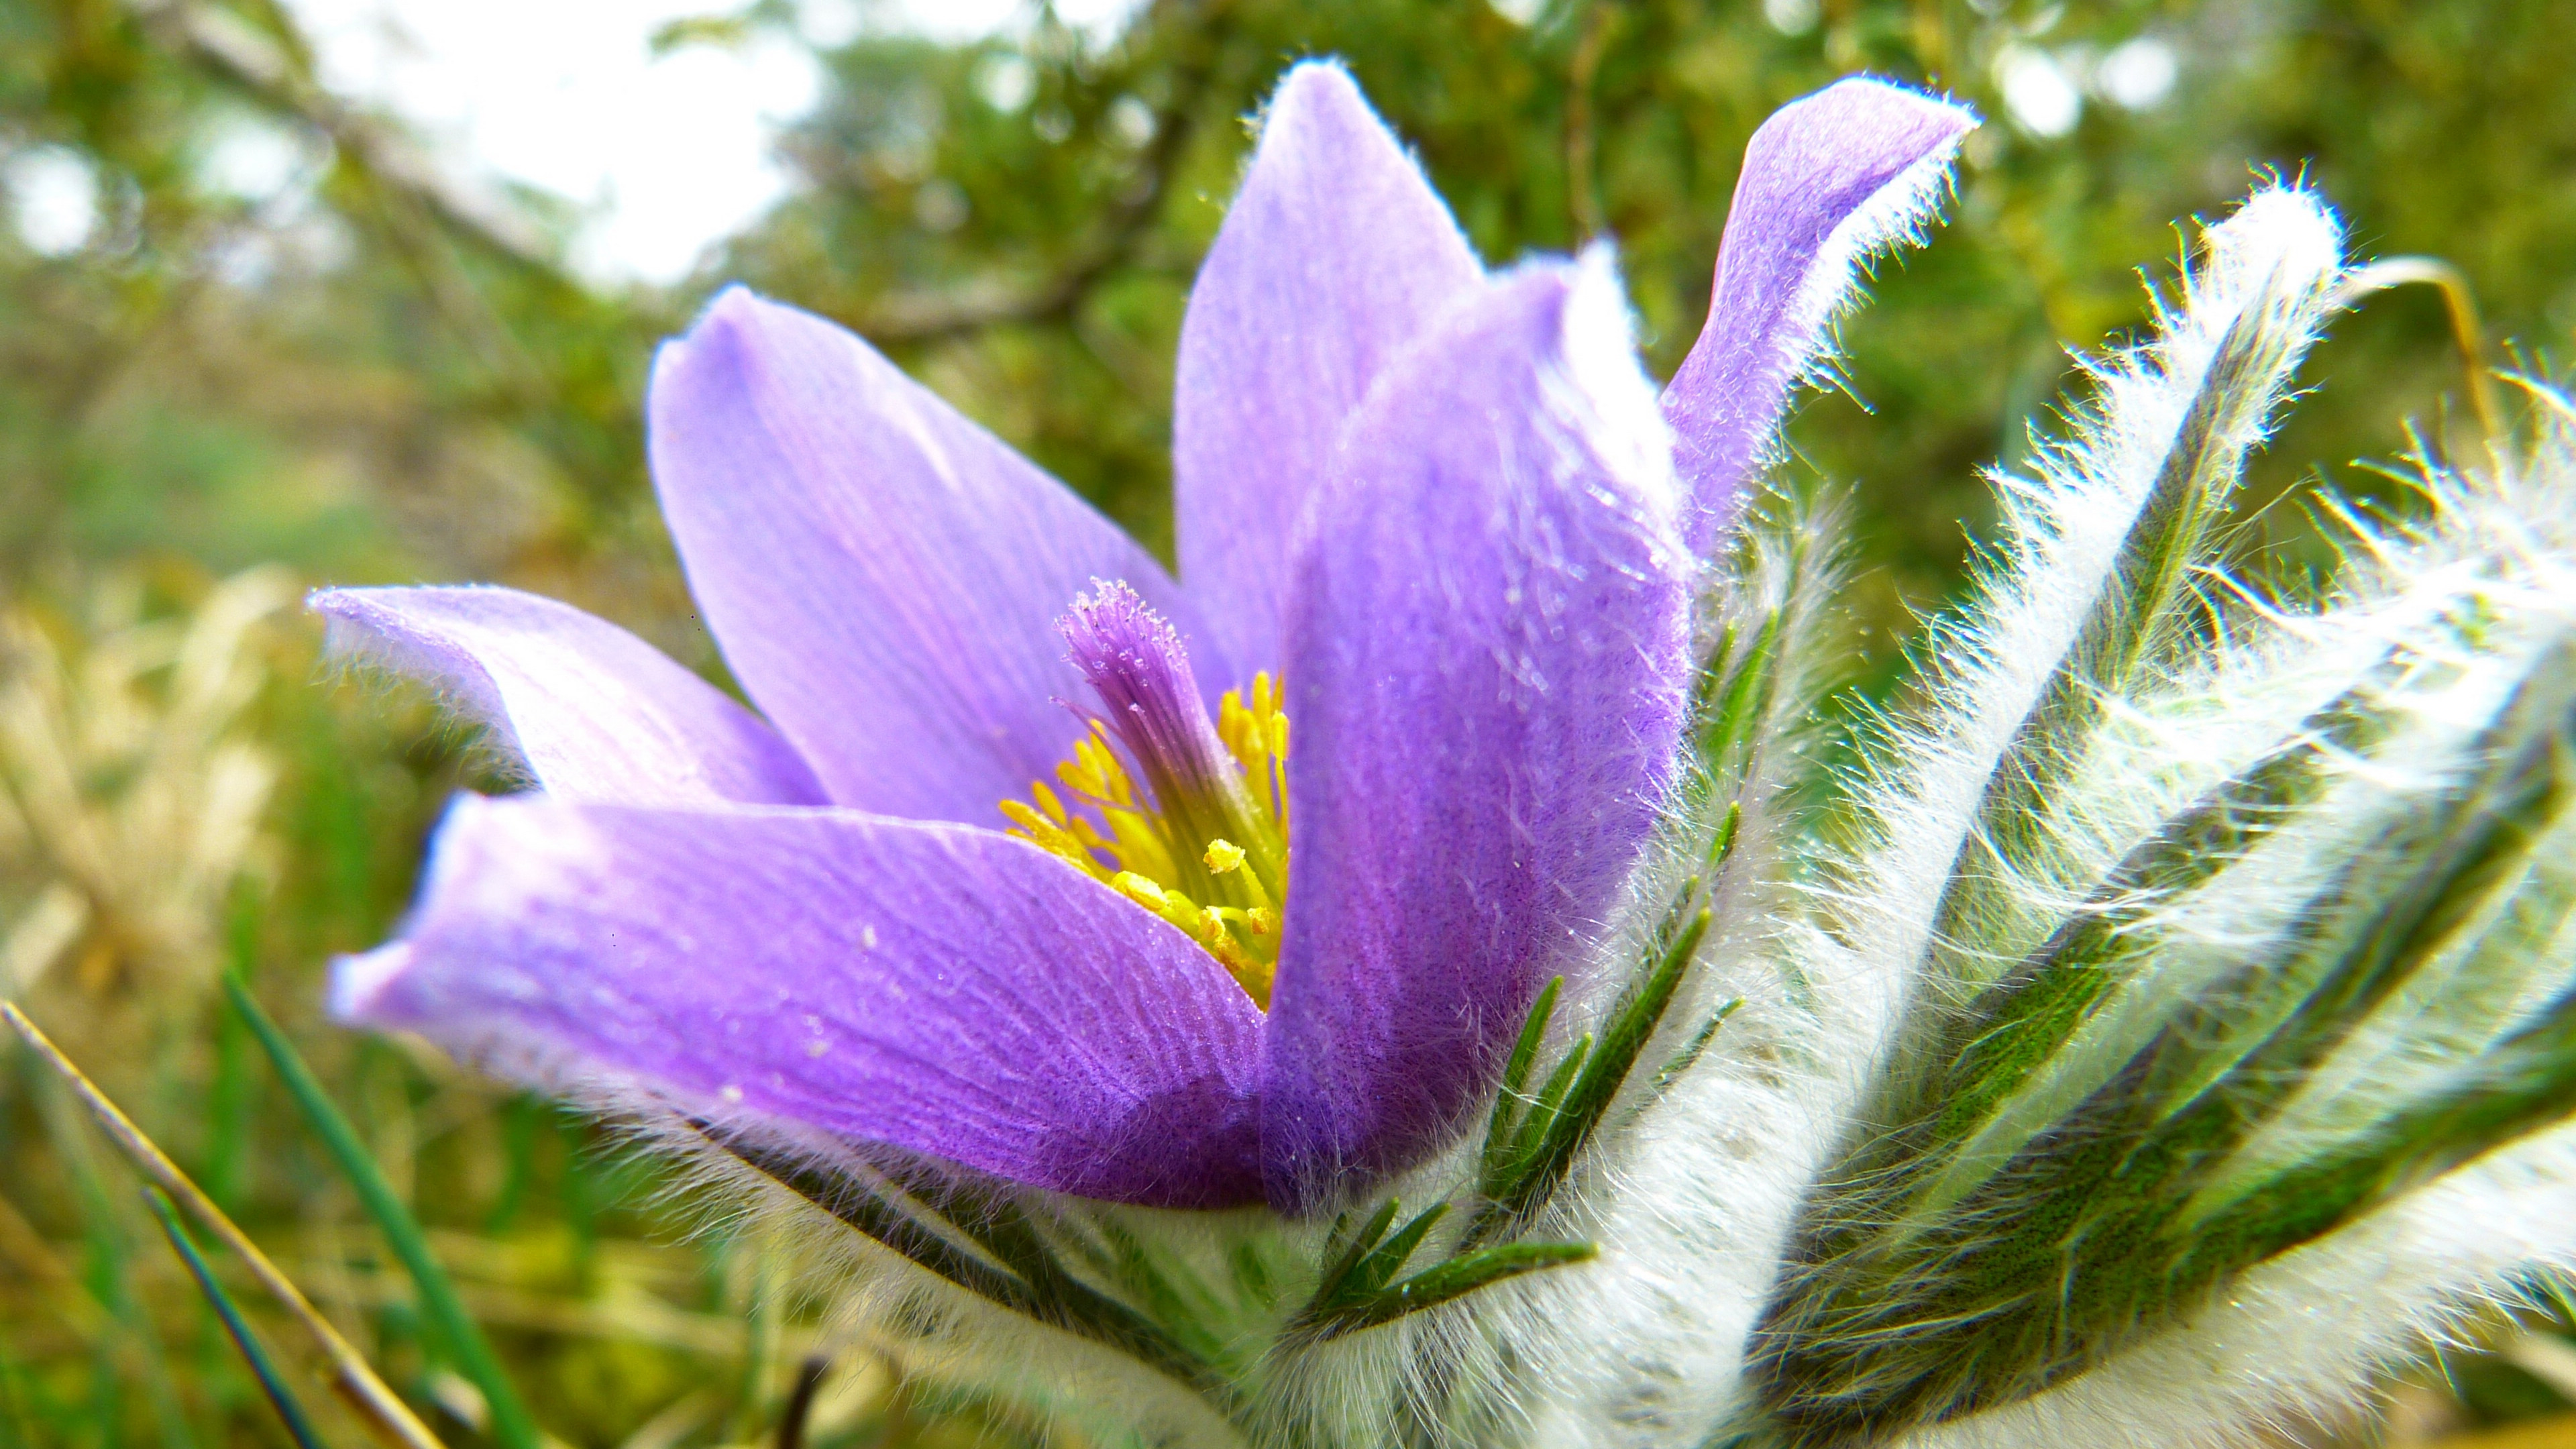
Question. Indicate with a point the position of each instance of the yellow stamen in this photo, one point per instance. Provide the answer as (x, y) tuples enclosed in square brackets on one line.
[(1108, 828), (1206, 925), (1153, 897)]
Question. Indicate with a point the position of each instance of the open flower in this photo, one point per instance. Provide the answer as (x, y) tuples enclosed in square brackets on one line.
[(2180, 966), (1017, 868)]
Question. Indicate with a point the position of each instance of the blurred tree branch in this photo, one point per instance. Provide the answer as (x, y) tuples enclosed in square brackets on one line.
[(273, 74), (1582, 184), (1192, 42)]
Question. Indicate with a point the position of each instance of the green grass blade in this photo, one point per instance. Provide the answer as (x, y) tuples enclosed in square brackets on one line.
[(289, 1412), (512, 1426), (109, 1277), (760, 1327), (232, 1099), (351, 1375)]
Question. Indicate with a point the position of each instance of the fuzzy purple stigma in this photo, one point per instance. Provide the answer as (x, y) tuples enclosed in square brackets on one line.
[(1204, 842), (1149, 704)]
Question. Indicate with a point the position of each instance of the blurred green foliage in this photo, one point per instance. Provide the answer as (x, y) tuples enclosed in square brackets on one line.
[(374, 373)]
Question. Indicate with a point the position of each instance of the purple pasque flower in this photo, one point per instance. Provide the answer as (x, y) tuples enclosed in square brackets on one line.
[(1429, 513)]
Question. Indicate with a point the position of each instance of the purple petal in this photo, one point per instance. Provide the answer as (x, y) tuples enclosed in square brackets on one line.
[(1486, 672), (588, 710), (934, 988), (1335, 256), (883, 575), (1828, 181)]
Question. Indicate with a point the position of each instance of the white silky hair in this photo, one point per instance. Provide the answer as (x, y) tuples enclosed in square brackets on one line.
[(1897, 215), (470, 710), (1695, 1205), (2065, 521), (1823, 941), (1695, 1198), (2304, 1336), (1692, 1203)]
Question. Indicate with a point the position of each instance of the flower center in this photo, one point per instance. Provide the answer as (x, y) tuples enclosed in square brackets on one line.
[(1204, 842)]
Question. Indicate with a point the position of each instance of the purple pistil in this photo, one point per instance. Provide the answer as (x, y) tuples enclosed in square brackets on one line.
[(1150, 705)]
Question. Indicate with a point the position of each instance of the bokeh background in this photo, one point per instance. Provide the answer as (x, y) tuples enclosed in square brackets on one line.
[(304, 291)]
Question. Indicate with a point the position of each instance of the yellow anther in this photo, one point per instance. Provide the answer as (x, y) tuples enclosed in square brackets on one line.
[(1138, 844), (1171, 905), (1053, 838), (1203, 925), (1251, 969), (1140, 890), (1048, 802), (1095, 772), (1223, 892)]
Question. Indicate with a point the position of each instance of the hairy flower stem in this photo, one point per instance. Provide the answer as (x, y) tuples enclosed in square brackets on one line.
[(2145, 611), (2024, 1018), (1999, 1221), (2088, 1239)]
